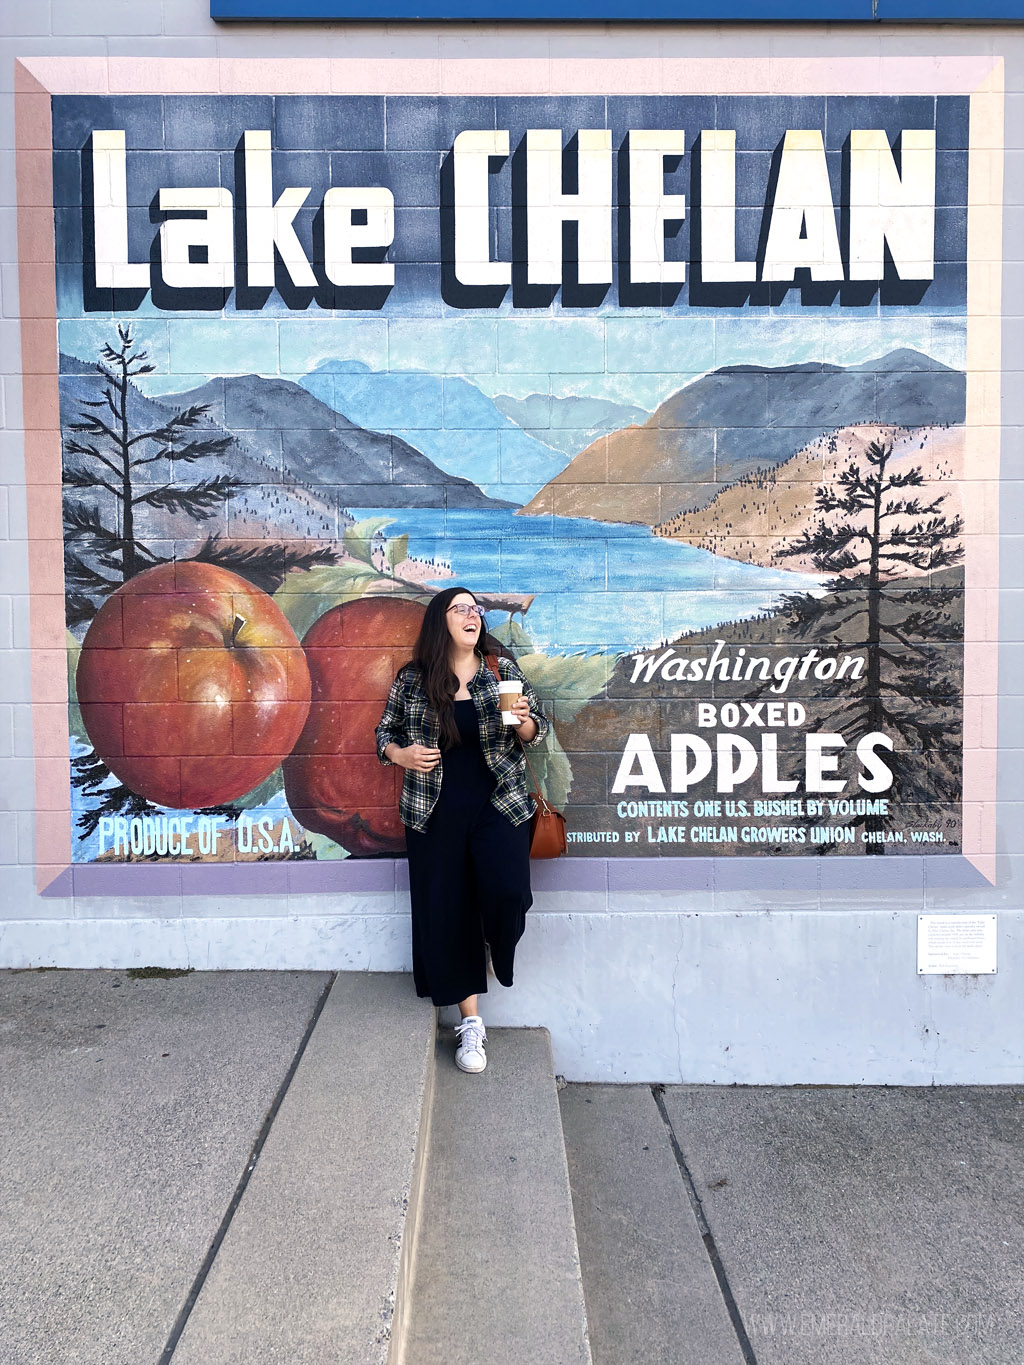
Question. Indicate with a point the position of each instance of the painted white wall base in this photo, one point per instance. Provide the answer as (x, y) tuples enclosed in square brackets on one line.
[(760, 997)]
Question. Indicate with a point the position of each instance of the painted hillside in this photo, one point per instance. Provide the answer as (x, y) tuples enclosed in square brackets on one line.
[(261, 496), (568, 422), (735, 421), (755, 518), (457, 426), (322, 448), (272, 501)]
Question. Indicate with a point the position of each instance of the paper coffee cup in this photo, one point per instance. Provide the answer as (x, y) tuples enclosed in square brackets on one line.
[(508, 694)]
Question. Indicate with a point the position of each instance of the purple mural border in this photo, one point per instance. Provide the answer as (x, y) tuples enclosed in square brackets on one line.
[(611, 875)]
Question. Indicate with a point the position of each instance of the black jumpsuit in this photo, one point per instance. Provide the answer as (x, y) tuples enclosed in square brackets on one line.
[(469, 878)]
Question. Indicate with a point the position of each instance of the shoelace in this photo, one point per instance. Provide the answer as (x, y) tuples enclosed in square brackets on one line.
[(470, 1036)]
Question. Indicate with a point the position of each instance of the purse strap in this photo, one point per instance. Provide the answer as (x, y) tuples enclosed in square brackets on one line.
[(542, 802)]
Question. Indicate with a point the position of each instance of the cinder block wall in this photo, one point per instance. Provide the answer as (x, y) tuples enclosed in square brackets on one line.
[(778, 971)]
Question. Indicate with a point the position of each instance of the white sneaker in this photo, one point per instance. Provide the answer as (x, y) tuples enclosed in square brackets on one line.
[(470, 1055)]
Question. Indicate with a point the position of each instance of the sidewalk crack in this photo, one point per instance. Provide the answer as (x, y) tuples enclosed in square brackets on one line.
[(181, 1320), (707, 1236)]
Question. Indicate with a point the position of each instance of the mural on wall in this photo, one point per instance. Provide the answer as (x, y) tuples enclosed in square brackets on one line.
[(675, 385)]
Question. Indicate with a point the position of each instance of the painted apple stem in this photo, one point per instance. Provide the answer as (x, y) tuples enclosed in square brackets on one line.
[(239, 623)]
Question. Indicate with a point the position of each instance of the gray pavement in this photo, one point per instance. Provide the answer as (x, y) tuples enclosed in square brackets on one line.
[(128, 1110), (819, 1225), (719, 1225), (650, 1291), (308, 1269), (865, 1224)]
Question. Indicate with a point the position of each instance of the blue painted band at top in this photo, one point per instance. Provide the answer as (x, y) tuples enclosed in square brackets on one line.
[(739, 11), (947, 11), (539, 9)]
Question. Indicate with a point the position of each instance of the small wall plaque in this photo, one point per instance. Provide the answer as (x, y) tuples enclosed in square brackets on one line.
[(956, 944)]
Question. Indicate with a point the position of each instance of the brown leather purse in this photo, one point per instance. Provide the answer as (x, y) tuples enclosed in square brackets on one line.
[(547, 826)]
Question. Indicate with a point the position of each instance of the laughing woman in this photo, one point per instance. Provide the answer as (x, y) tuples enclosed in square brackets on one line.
[(465, 807)]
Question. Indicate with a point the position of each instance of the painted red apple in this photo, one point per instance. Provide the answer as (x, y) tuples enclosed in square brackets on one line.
[(192, 685), (332, 778)]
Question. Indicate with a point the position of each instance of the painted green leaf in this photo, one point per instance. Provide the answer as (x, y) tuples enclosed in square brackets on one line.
[(396, 551), (75, 723), (259, 796), (326, 850), (552, 770), (304, 597), (512, 634), (358, 539), (566, 682)]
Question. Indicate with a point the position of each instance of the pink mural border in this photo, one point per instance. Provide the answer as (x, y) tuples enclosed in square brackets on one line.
[(37, 78)]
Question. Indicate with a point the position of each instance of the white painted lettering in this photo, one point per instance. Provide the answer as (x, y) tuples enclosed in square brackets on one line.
[(890, 209), (343, 234), (471, 154), (270, 224), (638, 750), (197, 251), (802, 230), (590, 207), (650, 208), (718, 263), (113, 270)]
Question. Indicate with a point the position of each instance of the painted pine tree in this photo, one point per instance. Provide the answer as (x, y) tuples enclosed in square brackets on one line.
[(109, 454), (890, 551)]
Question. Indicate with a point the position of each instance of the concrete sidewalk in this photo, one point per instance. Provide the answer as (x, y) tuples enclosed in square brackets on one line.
[(128, 1113), (800, 1226), (719, 1226)]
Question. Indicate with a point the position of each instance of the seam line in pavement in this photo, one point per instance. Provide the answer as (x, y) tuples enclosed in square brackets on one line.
[(197, 1285), (707, 1237)]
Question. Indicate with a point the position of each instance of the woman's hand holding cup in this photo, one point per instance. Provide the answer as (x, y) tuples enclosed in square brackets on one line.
[(514, 706), (521, 709), (527, 724)]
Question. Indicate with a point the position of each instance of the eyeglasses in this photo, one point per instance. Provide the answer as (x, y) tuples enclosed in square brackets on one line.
[(468, 609)]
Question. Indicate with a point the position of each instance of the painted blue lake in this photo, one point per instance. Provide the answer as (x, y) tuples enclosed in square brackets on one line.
[(598, 585)]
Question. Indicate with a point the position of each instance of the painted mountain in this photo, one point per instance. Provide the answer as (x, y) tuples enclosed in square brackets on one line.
[(757, 517), (570, 422), (459, 428), (268, 473), (740, 419), (271, 503), (285, 425)]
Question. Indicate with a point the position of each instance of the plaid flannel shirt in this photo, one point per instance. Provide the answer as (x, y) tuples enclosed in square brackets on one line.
[(409, 719)]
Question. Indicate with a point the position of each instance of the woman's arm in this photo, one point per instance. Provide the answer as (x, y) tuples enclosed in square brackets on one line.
[(392, 746), (527, 726), (417, 757), (391, 727)]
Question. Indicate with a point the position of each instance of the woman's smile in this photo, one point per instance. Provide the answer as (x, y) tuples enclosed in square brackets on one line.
[(464, 628)]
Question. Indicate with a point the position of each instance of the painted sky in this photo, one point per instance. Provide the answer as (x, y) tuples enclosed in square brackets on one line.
[(631, 360)]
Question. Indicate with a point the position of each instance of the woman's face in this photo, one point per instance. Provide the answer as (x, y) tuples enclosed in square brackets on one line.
[(464, 629)]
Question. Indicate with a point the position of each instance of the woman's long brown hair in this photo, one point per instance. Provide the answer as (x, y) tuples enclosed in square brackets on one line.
[(432, 655)]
